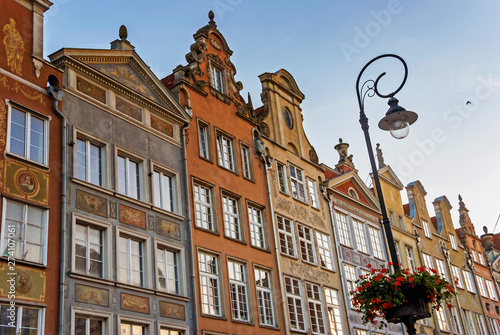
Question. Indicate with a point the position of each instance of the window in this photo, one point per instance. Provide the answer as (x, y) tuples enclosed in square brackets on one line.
[(306, 242), (168, 270), (89, 325), (427, 229), (453, 241), (376, 244), (203, 207), (231, 217), (315, 308), (493, 326), (402, 223), (129, 177), (441, 269), (360, 332), (468, 281), (209, 284), (392, 218), (256, 227), (410, 259), (474, 255), (398, 251), (246, 161), (28, 135), (89, 162), (131, 261), (429, 264), (294, 302), (359, 233), (238, 291), (441, 318), (288, 118), (287, 236), (325, 250), (27, 227), (481, 287), (204, 140), (455, 323), (491, 289), (217, 81), (313, 194), (480, 324), (333, 311), (297, 180), (225, 152), (89, 250), (283, 184), (480, 258), (469, 322), (456, 274), (29, 320), (350, 275), (264, 297), (343, 229), (129, 328), (164, 191), (165, 331)]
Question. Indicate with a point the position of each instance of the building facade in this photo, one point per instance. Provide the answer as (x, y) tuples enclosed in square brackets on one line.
[(127, 256), (235, 267), (30, 166)]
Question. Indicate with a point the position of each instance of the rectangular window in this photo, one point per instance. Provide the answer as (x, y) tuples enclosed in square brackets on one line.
[(359, 233), (480, 324), (453, 241), (313, 193), (89, 325), (398, 252), (441, 269), (481, 287), (474, 255), (491, 289), (165, 331), (26, 226), (493, 326), (203, 207), (129, 328), (402, 223), (469, 322), (295, 304), (376, 244), (225, 152), (306, 242), (392, 218), (204, 140), (315, 309), (456, 274), (441, 318), (89, 250), (297, 180), (264, 297), (282, 181), (255, 220), (164, 191), (238, 291), (429, 264), (325, 251), (246, 161), (28, 136), (231, 217), (28, 320), (468, 281), (427, 229), (89, 162), (217, 82), (343, 228), (168, 270), (209, 284), (129, 177), (333, 311), (360, 332), (455, 323), (410, 259), (350, 275), (286, 236), (131, 261), (480, 258)]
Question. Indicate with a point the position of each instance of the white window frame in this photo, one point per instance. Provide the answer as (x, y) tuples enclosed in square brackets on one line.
[(441, 319), (493, 326), (88, 248), (325, 251), (313, 193), (481, 286), (456, 274), (333, 311), (246, 161), (257, 226), (204, 140), (306, 244), (454, 320), (480, 323), (104, 316), (295, 305), (376, 242), (491, 289), (392, 218), (360, 235), (238, 290), (29, 114), (468, 281), (398, 252), (264, 293), (9, 230), (211, 304), (428, 262), (204, 213), (281, 171), (343, 229), (410, 258), (19, 318), (231, 217), (177, 268), (298, 182), (225, 151), (441, 269), (453, 241), (315, 307), (165, 196), (480, 257), (402, 224), (90, 141), (427, 229), (469, 322), (286, 236), (125, 263), (129, 189), (351, 277), (217, 81), (133, 321), (474, 255)]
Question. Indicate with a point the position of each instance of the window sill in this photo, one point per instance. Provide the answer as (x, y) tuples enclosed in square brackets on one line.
[(172, 296), (269, 327), (301, 201), (135, 288), (208, 160), (288, 256), (216, 317), (260, 248), (235, 240), (248, 323), (165, 212), (28, 161), (229, 170), (216, 233), (93, 186), (135, 201), (329, 270), (23, 262), (90, 278), (284, 193)]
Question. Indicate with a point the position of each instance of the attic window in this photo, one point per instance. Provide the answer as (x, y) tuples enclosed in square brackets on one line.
[(353, 193), (217, 82), (288, 118)]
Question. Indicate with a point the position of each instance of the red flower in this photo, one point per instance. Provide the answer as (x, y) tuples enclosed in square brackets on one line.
[(434, 271), (411, 279), (450, 306), (401, 279), (397, 284), (367, 285), (368, 266), (391, 263)]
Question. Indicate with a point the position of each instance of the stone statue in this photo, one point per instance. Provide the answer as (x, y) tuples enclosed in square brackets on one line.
[(380, 157)]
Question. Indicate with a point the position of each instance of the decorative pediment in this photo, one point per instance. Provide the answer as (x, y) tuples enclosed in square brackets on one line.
[(388, 174)]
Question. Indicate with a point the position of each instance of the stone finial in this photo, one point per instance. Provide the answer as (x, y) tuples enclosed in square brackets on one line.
[(344, 158), (485, 229), (461, 203), (123, 33), (380, 157), (211, 16)]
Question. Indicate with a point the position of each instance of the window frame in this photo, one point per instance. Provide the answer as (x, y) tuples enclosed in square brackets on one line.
[(106, 317), (298, 303), (307, 246), (427, 229), (201, 124), (456, 273), (146, 258), (241, 283), (453, 241), (218, 276), (246, 164), (410, 258), (335, 318), (377, 249), (5, 231), (213, 225), (360, 235), (238, 216), (19, 317), (231, 152), (481, 286), (254, 226), (282, 177), (90, 140), (214, 69), (140, 161), (270, 293), (325, 252), (343, 229), (441, 268), (288, 234), (181, 266), (125, 319), (313, 192), (174, 191), (442, 320), (490, 287), (318, 309), (468, 281), (297, 183), (29, 113), (428, 261)]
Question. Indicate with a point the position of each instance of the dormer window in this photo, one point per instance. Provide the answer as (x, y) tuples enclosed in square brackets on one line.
[(217, 82)]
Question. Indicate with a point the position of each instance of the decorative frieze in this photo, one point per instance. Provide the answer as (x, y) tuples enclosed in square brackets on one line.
[(91, 295), (132, 216), (91, 203)]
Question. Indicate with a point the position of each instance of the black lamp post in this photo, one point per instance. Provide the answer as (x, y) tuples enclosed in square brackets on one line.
[(397, 120)]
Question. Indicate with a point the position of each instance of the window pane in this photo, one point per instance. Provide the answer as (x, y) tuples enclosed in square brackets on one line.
[(37, 140), (81, 161), (95, 165), (122, 175), (18, 132)]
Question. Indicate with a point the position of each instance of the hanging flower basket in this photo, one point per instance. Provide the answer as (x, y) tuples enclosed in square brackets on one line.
[(384, 297)]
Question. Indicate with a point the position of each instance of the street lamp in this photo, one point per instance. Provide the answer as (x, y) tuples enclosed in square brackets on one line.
[(397, 120)]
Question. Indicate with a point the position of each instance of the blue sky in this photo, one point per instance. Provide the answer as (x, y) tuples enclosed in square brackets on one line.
[(450, 47)]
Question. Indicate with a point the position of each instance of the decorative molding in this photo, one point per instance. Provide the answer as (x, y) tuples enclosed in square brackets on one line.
[(14, 47), (132, 216), (38, 66), (91, 295), (18, 88), (167, 228), (134, 303), (300, 213), (353, 209), (172, 311), (308, 272), (91, 203)]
